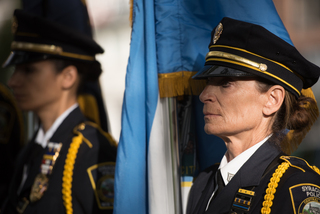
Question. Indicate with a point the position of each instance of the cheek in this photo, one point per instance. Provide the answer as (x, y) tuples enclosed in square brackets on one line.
[(237, 111), (250, 112)]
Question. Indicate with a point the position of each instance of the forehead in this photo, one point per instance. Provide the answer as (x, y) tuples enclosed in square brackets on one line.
[(231, 79), (42, 64)]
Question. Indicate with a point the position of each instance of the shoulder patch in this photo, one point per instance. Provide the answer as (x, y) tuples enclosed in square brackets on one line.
[(102, 180), (305, 198)]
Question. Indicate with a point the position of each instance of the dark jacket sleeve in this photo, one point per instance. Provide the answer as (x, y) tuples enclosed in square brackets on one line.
[(92, 186), (297, 191)]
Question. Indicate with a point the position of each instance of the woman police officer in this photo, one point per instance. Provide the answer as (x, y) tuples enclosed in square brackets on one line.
[(68, 165), (253, 97)]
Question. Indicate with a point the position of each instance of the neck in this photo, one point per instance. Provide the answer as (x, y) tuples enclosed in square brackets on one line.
[(49, 114), (238, 144)]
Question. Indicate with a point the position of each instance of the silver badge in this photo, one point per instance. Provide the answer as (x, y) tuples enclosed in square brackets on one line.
[(230, 176)]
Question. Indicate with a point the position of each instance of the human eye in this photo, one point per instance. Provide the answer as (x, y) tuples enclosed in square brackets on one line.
[(29, 69), (210, 81), (225, 82)]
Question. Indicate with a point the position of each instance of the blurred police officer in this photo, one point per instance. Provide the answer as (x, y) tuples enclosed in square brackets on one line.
[(11, 137), (68, 166)]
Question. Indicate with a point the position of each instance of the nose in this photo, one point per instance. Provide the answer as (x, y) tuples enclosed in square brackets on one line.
[(14, 79), (207, 95)]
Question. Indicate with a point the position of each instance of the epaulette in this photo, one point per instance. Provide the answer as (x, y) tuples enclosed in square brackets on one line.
[(82, 126), (79, 137), (299, 163), (288, 161)]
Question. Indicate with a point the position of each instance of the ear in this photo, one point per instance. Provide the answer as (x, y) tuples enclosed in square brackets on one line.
[(69, 77), (275, 96)]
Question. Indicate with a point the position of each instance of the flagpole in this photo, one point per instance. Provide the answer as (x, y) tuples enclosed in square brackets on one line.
[(171, 104)]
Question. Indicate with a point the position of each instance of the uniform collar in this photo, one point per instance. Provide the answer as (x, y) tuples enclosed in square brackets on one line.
[(248, 175), (229, 169), (43, 138)]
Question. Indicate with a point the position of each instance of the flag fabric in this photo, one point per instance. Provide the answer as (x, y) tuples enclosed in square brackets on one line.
[(139, 106), (169, 42)]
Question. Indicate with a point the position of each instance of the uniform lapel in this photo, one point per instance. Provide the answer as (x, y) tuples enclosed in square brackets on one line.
[(206, 193), (249, 175), (66, 127)]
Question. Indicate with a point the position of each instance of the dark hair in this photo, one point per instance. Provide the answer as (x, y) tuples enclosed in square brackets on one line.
[(88, 71), (293, 113)]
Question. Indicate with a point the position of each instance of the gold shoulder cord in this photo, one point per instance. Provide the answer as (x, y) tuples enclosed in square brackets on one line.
[(273, 184), (68, 168), (68, 173)]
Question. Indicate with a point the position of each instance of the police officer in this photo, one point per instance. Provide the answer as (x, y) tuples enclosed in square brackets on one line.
[(258, 88), (68, 166), (11, 137)]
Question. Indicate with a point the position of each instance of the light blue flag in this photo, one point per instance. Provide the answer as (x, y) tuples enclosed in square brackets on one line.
[(139, 104), (170, 37)]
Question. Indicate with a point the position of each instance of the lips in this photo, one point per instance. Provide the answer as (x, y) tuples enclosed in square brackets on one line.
[(19, 96), (211, 110), (211, 113)]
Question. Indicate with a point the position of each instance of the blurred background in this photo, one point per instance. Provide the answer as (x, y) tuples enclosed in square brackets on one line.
[(112, 29)]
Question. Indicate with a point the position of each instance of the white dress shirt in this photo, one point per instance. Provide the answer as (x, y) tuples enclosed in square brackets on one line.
[(43, 138)]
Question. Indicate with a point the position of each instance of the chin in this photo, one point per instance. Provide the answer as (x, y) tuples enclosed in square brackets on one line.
[(216, 130), (210, 130), (25, 107)]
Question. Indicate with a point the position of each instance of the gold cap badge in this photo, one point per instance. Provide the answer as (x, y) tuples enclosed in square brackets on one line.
[(217, 33), (14, 26)]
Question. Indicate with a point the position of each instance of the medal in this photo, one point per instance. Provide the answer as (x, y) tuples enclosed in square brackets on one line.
[(39, 187), (41, 181)]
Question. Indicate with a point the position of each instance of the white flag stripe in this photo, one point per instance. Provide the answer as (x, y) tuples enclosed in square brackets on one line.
[(160, 166)]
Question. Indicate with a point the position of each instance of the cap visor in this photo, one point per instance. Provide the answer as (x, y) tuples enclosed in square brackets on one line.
[(220, 71), (19, 57)]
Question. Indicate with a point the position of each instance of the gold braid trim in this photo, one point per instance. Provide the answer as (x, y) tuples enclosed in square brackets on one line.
[(316, 169), (111, 140), (68, 172), (179, 83), (70, 161), (273, 184), (287, 158)]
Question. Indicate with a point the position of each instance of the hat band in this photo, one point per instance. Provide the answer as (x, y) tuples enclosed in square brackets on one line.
[(248, 52), (230, 58), (260, 66), (49, 49)]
